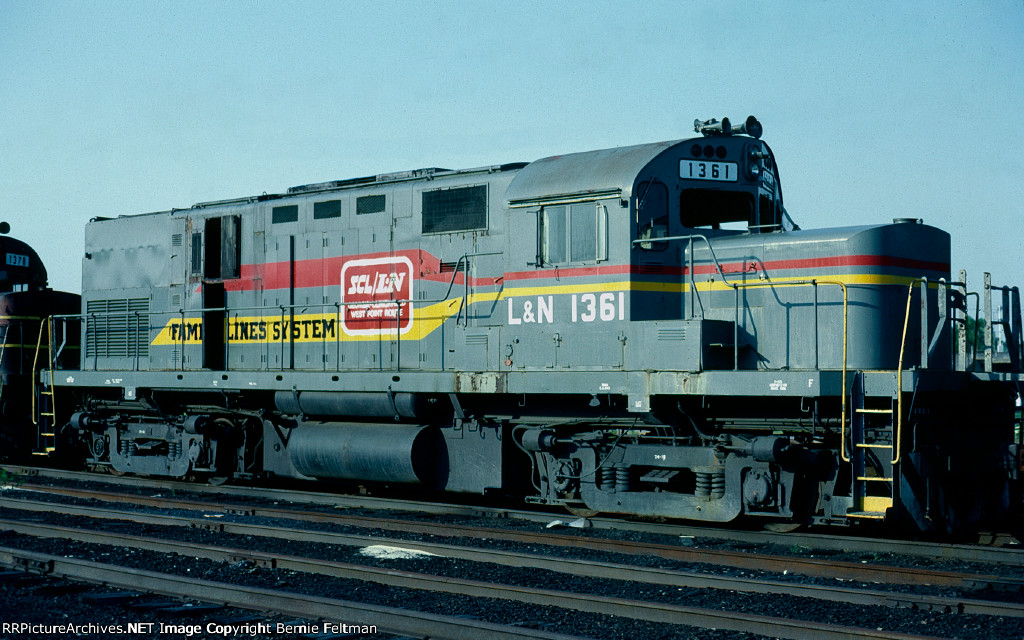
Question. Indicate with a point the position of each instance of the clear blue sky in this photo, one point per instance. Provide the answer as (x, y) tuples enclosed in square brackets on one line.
[(875, 110)]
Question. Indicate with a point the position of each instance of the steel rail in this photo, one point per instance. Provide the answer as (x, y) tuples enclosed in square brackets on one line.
[(793, 629), (588, 568), (1012, 556), (290, 495), (387, 619), (824, 568)]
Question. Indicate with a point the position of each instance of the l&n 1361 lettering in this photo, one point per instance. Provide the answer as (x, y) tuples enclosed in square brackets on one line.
[(586, 307)]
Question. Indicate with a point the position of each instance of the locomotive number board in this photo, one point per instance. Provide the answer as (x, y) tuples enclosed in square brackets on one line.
[(703, 170)]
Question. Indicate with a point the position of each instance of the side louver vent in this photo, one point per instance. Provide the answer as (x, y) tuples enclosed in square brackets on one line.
[(117, 328)]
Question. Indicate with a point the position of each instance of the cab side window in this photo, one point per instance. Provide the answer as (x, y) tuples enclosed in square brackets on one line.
[(572, 233)]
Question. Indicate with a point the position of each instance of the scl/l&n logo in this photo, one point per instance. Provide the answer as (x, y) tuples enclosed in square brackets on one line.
[(375, 295)]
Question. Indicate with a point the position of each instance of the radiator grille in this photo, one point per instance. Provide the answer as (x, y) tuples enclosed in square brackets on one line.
[(117, 328)]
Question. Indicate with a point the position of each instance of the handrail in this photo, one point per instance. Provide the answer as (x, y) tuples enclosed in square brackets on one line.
[(63, 344), (846, 301), (3, 352), (465, 280), (962, 362), (1010, 321), (896, 453), (35, 359), (693, 283), (736, 286)]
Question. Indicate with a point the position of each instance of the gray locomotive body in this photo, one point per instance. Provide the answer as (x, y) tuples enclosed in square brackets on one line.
[(636, 330)]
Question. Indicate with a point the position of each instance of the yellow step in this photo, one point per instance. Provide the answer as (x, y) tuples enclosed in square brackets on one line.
[(871, 507), (870, 515)]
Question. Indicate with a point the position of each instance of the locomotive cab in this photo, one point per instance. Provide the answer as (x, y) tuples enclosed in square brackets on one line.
[(727, 181), (22, 270)]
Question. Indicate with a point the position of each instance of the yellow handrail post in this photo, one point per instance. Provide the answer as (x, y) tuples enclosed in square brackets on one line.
[(44, 447), (846, 302), (35, 362), (899, 376)]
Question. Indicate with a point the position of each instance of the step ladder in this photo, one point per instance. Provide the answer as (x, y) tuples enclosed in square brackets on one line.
[(44, 412), (872, 455)]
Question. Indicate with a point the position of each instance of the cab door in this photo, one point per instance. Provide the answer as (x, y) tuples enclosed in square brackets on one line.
[(221, 261)]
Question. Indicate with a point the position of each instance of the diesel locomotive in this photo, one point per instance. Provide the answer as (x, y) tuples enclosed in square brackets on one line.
[(26, 301), (639, 330)]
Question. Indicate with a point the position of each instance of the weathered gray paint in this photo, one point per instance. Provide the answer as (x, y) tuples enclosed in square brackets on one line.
[(631, 334)]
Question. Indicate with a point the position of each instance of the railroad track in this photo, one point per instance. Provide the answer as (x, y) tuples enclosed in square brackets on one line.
[(588, 568), (999, 548), (814, 567), (399, 621), (665, 613), (331, 610)]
